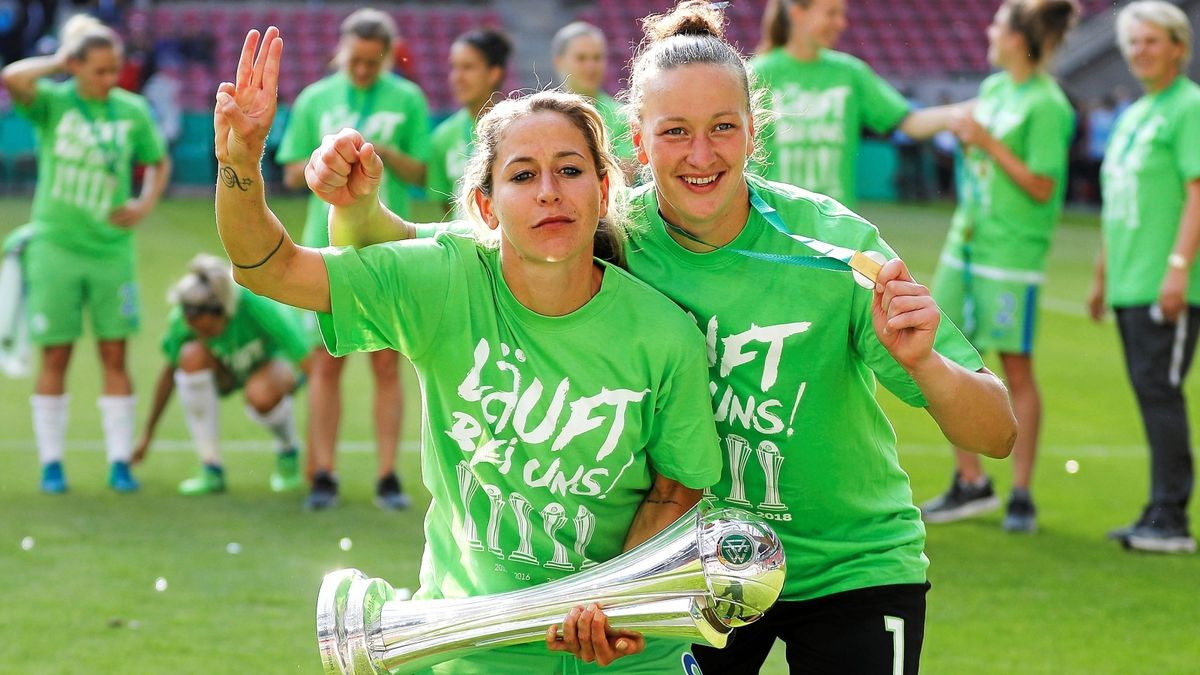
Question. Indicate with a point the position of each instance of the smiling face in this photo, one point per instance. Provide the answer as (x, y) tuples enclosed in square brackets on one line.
[(695, 133), (547, 196), (363, 60), (96, 73), (471, 78), (582, 64), (820, 24), (1153, 57)]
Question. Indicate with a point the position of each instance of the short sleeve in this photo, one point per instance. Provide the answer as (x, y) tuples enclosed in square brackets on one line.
[(1187, 142), (883, 108), (949, 342), (282, 324), (176, 336), (683, 443), (414, 140), (38, 110), (149, 147), (1049, 136), (387, 296), (299, 134)]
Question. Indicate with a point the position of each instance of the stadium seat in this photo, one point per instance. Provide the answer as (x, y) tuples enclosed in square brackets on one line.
[(18, 152)]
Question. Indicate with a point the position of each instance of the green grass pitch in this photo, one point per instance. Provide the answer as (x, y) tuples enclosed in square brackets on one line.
[(83, 597)]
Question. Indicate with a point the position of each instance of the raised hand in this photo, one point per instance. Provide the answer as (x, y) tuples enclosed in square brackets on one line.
[(904, 314), (245, 110), (345, 170)]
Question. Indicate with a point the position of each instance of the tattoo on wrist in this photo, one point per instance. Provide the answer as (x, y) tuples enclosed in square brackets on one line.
[(230, 179)]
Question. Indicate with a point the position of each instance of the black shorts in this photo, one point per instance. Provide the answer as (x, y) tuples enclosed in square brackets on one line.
[(870, 631)]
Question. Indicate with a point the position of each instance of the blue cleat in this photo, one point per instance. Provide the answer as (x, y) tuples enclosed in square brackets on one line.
[(120, 479), (54, 482)]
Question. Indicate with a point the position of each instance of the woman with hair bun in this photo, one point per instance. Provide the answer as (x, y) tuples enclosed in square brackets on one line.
[(221, 338), (993, 263), (90, 135)]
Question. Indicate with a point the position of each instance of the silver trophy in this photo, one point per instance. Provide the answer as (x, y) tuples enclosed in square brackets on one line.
[(704, 575)]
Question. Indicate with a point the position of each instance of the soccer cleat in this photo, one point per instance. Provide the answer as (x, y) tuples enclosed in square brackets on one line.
[(960, 501), (389, 494), (210, 480), (54, 481), (286, 476), (120, 479), (324, 493), (1021, 514)]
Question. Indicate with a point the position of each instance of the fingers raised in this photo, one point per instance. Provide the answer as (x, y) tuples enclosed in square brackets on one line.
[(245, 68)]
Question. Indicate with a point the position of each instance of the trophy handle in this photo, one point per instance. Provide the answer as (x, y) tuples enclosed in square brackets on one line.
[(348, 602)]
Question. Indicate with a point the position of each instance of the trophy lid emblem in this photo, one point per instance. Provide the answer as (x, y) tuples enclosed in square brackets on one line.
[(735, 551)]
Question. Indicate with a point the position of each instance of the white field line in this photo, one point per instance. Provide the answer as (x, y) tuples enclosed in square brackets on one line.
[(267, 446)]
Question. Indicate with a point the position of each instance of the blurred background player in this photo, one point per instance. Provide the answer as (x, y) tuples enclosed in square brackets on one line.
[(90, 134), (993, 263), (394, 114), (821, 99), (221, 338), (581, 60), (1146, 271), (478, 66)]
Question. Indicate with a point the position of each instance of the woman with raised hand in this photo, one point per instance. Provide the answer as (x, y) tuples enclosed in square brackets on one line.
[(795, 351), (1146, 271), (90, 136), (392, 112), (478, 65), (554, 437), (821, 99), (993, 263), (580, 53), (221, 338)]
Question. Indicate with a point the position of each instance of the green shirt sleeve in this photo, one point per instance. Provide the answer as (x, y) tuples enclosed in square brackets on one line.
[(176, 336), (281, 324), (299, 134), (1050, 129), (38, 110), (1187, 143), (683, 443), (387, 296), (883, 108)]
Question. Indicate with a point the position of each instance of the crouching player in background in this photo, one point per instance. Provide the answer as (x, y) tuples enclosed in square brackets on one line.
[(220, 338)]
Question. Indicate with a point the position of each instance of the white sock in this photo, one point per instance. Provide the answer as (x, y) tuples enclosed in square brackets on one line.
[(50, 426), (198, 394), (280, 422), (118, 414)]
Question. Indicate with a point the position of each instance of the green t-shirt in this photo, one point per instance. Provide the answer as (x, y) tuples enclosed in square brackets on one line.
[(449, 149), (1152, 155), (259, 330), (618, 127), (541, 434), (392, 113), (819, 109), (1008, 229), (793, 364), (86, 153)]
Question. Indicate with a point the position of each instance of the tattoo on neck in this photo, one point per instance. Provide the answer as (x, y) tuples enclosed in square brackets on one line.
[(230, 179), (652, 500)]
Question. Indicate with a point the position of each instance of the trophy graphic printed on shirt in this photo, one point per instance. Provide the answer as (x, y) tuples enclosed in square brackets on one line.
[(467, 486), (521, 507), (496, 499), (699, 578), (585, 527), (770, 460), (554, 516), (739, 451)]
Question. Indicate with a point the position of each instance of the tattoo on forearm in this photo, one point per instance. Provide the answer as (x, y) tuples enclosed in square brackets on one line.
[(230, 178)]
